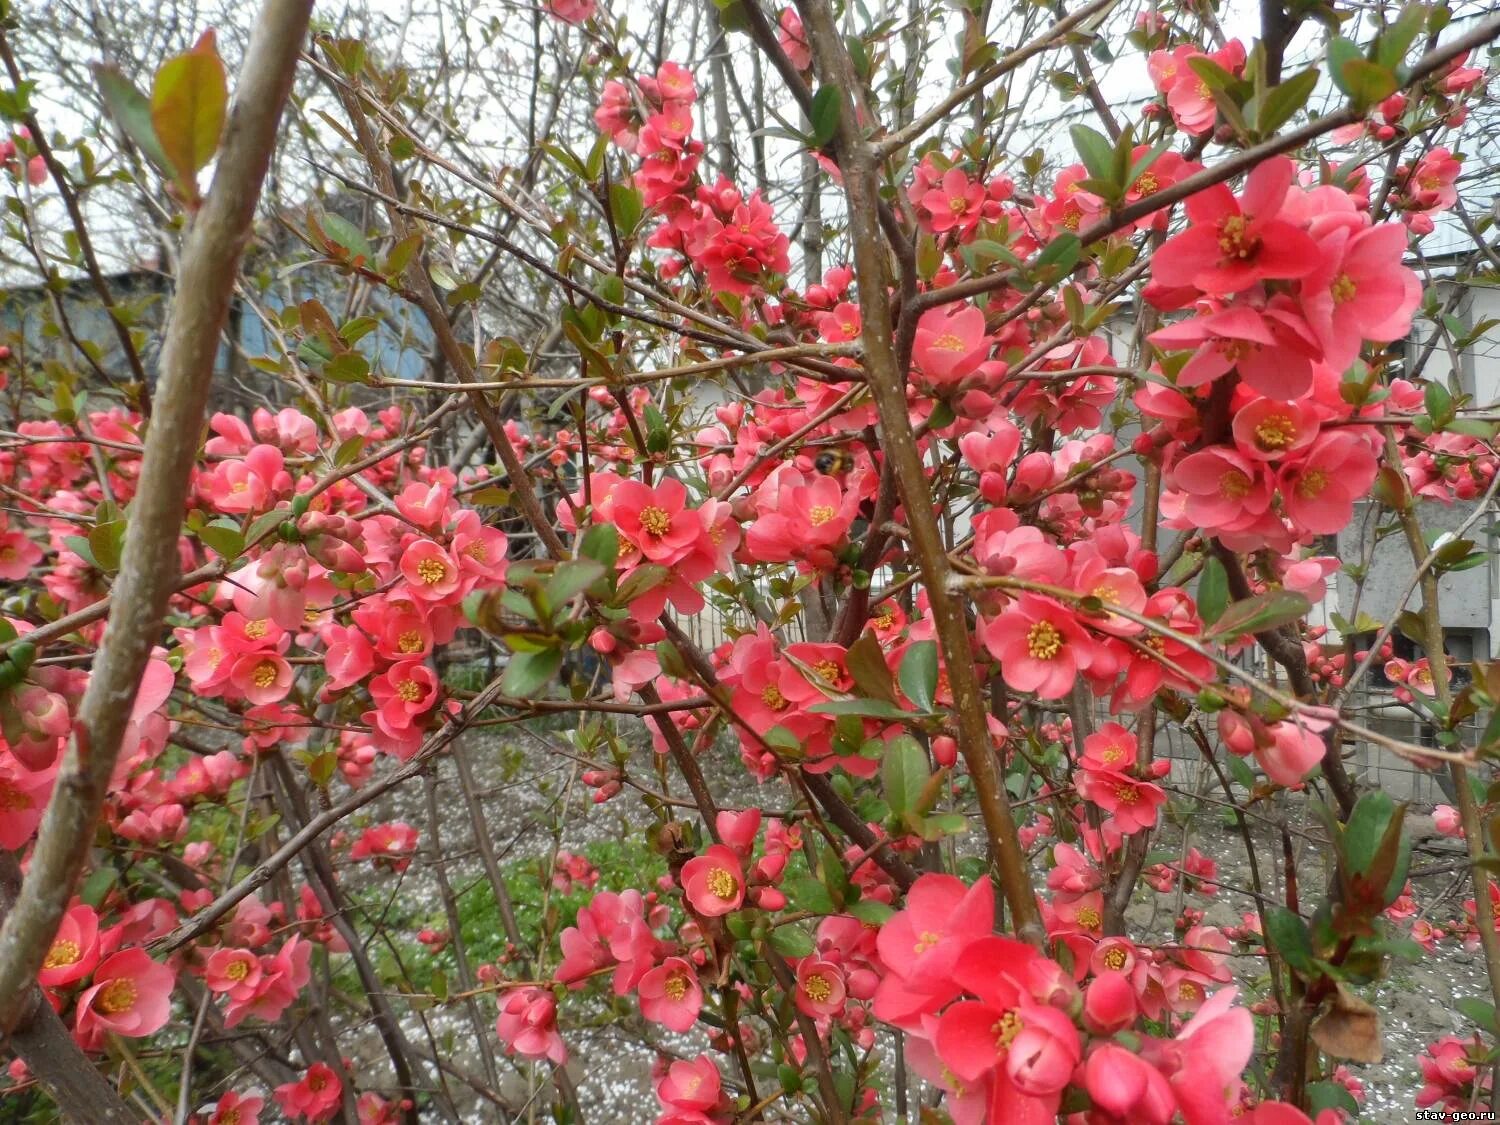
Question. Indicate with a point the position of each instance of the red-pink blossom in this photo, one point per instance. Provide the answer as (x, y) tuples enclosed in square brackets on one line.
[(528, 1025), (713, 882), (671, 995), (131, 995), (316, 1096), (1039, 646), (1233, 243), (75, 948)]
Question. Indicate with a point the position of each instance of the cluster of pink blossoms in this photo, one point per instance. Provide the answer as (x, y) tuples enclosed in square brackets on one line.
[(1006, 1031), (733, 240), (1285, 285)]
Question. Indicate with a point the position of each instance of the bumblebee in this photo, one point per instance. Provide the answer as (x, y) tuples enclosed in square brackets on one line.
[(832, 462)]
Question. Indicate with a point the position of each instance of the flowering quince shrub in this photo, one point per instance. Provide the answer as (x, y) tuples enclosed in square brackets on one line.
[(1040, 468)]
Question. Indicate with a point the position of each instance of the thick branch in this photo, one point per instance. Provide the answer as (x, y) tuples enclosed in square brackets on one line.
[(888, 385), (149, 563)]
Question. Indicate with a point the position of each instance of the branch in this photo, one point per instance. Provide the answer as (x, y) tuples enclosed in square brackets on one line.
[(149, 564), (1241, 161), (888, 386)]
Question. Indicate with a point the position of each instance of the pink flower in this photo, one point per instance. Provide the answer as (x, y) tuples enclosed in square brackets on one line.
[(1446, 820), (1360, 291), (261, 677), (1211, 1052), (235, 1109), (572, 11), (131, 995), (23, 796), (389, 845), (1223, 488), (1271, 347), (1133, 805), (1233, 243), (1318, 490), (1109, 1004), (656, 520), (235, 971), (950, 343), (820, 987), (430, 572), (690, 1091), (1039, 646), (528, 1025), (403, 693), (793, 39), (983, 1038), (1294, 750), (670, 994), (956, 203), (316, 1096), (611, 930), (1044, 1052), (75, 949), (713, 882), (18, 554), (920, 945), (800, 517), (1267, 430), (1126, 1086), (282, 977)]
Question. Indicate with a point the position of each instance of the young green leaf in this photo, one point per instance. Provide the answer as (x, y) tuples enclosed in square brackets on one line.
[(188, 102), (903, 773), (827, 105)]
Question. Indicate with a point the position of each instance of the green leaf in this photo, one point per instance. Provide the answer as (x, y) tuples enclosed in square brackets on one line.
[(1214, 76), (528, 672), (348, 450), (1062, 252), (792, 941), (97, 885), (1094, 149), (400, 255), (867, 665), (1331, 1095), (903, 773), (1288, 936), (1367, 83), (871, 912), (571, 578), (646, 577), (1341, 52), (224, 538), (1366, 827), (1439, 404), (107, 540), (1213, 591), (188, 101), (1397, 38), (350, 367), (131, 111), (809, 894), (865, 708), (626, 206), (1282, 102), (827, 106), (1239, 769), (1260, 613), (601, 542), (918, 673), (341, 232)]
